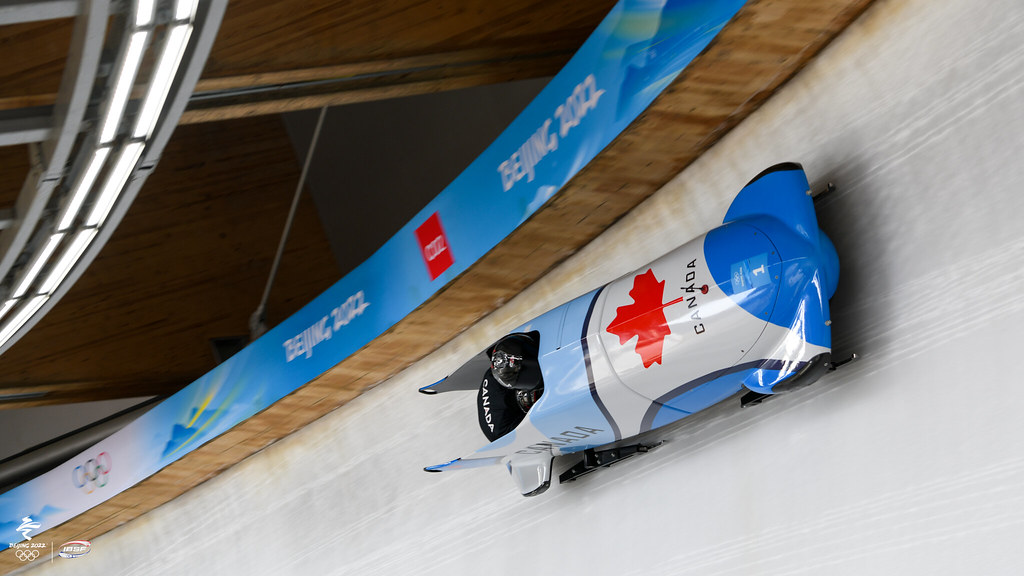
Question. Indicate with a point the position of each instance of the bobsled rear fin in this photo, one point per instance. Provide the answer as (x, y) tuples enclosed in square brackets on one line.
[(467, 377), (780, 192), (464, 463)]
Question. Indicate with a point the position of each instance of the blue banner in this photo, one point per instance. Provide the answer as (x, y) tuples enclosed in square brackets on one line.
[(639, 48)]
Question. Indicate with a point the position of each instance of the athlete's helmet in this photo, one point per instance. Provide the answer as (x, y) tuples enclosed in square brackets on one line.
[(506, 366), (527, 398), (507, 358)]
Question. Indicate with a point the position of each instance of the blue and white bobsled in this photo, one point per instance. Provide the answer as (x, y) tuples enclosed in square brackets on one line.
[(743, 306)]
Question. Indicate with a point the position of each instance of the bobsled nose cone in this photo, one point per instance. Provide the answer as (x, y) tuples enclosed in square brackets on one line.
[(829, 263)]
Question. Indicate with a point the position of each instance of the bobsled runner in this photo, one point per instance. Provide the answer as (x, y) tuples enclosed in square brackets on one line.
[(745, 306)]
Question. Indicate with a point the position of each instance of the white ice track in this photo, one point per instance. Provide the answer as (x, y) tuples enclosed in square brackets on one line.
[(910, 461)]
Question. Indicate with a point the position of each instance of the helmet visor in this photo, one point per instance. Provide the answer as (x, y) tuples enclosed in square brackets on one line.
[(505, 367)]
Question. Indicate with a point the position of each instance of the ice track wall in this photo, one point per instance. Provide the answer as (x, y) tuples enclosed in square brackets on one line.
[(910, 461)]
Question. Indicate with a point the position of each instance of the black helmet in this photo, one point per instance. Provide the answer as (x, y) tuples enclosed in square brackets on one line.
[(507, 358), (527, 398), (506, 366)]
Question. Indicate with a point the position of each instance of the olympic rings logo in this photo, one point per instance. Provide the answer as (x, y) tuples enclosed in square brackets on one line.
[(26, 555), (92, 474)]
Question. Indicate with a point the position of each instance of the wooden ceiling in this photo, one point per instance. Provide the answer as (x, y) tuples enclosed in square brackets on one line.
[(329, 53), (191, 256)]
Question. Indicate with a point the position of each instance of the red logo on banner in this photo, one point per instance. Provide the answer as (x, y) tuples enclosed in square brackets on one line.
[(434, 246)]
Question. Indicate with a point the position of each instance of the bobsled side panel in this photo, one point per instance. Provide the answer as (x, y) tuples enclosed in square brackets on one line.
[(567, 402), (624, 406), (662, 415), (715, 387), (561, 325), (696, 396)]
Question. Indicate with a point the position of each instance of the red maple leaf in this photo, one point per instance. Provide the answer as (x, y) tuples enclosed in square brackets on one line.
[(644, 318)]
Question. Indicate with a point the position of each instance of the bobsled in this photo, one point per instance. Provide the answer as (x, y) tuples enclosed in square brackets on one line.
[(744, 307)]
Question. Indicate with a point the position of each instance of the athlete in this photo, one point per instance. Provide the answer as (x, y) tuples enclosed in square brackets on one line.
[(510, 387)]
